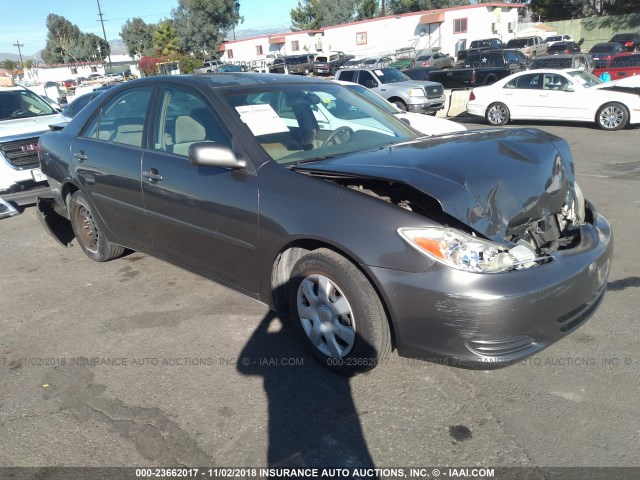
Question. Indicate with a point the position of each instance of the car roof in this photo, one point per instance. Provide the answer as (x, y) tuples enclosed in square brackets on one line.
[(218, 80)]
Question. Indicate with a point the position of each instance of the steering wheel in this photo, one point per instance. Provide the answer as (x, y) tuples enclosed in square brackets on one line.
[(17, 113), (340, 135)]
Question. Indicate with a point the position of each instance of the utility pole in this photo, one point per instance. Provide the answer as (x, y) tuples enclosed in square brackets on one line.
[(104, 34), (18, 44)]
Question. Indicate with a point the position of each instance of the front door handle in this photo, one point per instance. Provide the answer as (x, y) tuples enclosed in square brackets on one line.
[(152, 175), (80, 156)]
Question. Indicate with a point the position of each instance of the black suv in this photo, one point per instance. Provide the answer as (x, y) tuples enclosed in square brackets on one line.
[(631, 41)]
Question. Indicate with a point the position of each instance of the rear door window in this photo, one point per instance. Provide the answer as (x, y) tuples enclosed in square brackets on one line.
[(122, 119)]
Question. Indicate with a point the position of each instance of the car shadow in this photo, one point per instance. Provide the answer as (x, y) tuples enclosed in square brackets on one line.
[(312, 422)]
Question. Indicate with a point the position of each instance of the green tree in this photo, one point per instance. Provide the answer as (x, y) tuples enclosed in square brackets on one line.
[(188, 63), (66, 43), (9, 65), (368, 9), (620, 7), (138, 37), (395, 7), (552, 10), (314, 14), (62, 37), (165, 39), (203, 24)]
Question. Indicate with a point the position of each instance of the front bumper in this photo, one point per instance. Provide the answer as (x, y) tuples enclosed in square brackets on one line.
[(429, 106), (25, 192), (492, 320)]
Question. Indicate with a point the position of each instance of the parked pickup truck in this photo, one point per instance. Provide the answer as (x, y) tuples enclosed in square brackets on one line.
[(481, 68), (530, 46), (330, 62), (397, 88), (476, 46)]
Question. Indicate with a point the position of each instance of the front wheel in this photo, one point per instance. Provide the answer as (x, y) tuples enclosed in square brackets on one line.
[(89, 233), (612, 116), (497, 114), (401, 105), (338, 313)]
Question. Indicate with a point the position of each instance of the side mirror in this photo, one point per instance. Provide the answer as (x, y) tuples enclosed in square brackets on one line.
[(569, 88), (209, 154)]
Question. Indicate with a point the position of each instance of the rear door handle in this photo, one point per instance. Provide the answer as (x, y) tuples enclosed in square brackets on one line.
[(544, 94), (152, 175), (80, 156)]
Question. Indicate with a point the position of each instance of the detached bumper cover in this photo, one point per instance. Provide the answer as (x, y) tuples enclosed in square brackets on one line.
[(492, 320)]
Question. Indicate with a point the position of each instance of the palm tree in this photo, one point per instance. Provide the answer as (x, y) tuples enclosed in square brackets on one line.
[(165, 39)]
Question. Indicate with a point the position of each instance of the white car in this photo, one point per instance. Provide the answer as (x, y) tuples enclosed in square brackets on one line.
[(557, 38), (427, 124), (24, 116), (564, 95)]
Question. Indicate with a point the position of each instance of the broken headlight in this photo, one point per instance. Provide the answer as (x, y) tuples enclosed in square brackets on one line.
[(459, 250)]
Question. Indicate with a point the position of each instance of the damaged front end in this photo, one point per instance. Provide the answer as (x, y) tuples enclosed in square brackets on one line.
[(510, 214)]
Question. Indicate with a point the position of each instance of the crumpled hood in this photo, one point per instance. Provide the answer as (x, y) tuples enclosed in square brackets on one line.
[(496, 181), (22, 126)]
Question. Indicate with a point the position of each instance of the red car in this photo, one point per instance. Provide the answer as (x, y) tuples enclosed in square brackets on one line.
[(622, 65), (70, 83)]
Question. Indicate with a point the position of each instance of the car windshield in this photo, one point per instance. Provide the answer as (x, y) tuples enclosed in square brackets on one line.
[(390, 75), (297, 124), (584, 78), (22, 104), (517, 43), (602, 48)]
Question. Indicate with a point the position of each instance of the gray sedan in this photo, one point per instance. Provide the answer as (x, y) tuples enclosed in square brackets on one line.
[(475, 247)]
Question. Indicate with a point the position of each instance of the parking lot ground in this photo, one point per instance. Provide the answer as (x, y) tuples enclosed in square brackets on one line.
[(135, 362)]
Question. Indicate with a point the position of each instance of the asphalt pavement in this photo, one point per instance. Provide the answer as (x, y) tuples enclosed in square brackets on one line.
[(135, 362)]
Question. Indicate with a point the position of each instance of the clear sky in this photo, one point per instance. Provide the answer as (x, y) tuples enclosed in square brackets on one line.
[(25, 20)]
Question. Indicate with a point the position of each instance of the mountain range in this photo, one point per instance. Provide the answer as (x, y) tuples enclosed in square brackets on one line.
[(117, 48)]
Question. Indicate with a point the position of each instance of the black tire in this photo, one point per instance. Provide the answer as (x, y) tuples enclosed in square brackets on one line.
[(401, 105), (490, 80), (344, 324), (89, 233), (497, 114), (612, 116)]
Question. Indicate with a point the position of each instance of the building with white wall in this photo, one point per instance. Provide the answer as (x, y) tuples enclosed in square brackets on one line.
[(451, 29), (260, 48)]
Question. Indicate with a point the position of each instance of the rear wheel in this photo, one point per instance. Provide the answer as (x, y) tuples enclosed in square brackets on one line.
[(612, 116), (338, 313), (497, 114), (88, 233)]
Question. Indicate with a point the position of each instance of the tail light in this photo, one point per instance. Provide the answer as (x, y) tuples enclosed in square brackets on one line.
[(628, 44), (473, 78), (425, 64), (472, 96), (38, 148), (567, 51)]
